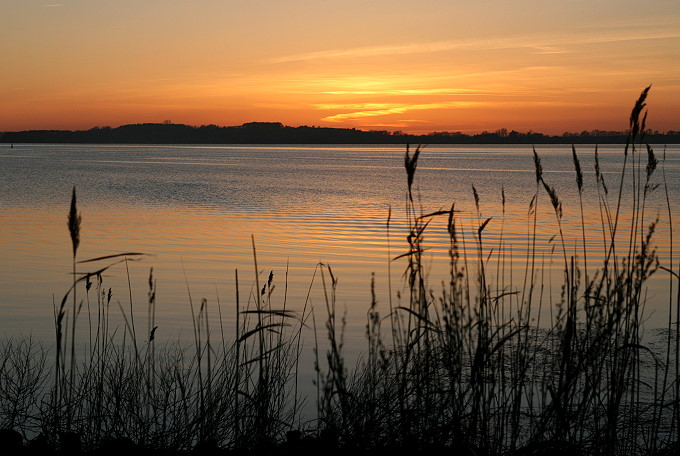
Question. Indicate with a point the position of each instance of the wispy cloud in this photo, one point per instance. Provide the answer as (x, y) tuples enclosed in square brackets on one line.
[(549, 50), (364, 110), (373, 51), (369, 110), (53, 5), (538, 44), (435, 91), (358, 106)]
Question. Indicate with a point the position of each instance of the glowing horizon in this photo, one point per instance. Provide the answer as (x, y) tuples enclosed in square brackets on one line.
[(435, 66)]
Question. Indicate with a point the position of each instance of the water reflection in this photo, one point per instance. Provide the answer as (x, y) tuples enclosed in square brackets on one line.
[(195, 209)]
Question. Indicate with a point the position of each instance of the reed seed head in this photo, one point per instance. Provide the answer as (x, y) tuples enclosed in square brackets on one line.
[(635, 125), (556, 203), (579, 172), (152, 335), (538, 166), (74, 223), (652, 162), (476, 195), (411, 163)]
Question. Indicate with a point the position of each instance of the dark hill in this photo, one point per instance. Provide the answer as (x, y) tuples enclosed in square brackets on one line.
[(277, 133)]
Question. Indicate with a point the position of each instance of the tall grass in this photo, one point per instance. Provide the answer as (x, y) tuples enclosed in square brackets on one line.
[(237, 392), (472, 364), (477, 365)]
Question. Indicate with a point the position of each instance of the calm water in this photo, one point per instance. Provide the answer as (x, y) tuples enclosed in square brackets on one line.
[(194, 208)]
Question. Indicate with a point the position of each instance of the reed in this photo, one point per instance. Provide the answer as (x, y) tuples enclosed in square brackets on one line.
[(475, 367)]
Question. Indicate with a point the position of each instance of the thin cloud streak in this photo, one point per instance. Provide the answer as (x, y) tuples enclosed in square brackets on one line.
[(376, 109), (442, 91), (373, 51), (397, 109), (539, 45)]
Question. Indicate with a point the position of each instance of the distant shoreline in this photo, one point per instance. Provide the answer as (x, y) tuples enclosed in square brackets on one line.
[(277, 133)]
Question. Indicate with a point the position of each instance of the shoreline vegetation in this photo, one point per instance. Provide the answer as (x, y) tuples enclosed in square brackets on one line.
[(470, 366), (277, 133)]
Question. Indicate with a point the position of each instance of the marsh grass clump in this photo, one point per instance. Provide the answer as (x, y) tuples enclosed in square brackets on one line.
[(475, 366), (490, 361), (238, 393)]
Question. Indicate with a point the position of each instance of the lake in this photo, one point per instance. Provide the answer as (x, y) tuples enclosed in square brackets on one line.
[(196, 210)]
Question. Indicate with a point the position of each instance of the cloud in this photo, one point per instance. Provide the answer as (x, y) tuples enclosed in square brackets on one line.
[(363, 110), (53, 5), (435, 91), (539, 44), (359, 106), (549, 50), (368, 110), (372, 51)]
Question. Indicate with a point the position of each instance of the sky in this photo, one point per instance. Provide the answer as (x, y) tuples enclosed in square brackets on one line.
[(415, 66)]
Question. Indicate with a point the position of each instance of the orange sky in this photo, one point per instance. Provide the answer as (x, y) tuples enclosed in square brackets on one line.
[(417, 66)]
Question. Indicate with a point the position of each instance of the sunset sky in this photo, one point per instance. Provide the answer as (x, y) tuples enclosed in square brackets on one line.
[(416, 66)]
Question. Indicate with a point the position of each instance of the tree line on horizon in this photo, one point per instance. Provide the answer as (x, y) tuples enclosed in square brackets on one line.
[(277, 133)]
